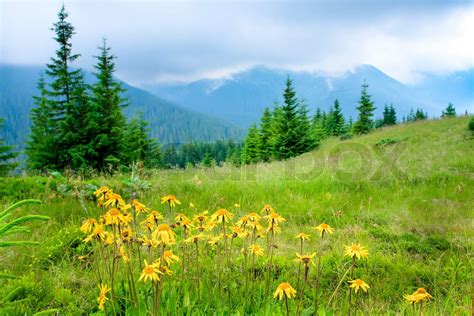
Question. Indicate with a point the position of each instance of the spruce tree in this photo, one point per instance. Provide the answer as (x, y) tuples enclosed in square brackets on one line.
[(335, 122), (392, 116), (450, 111), (139, 146), (64, 103), (106, 121), (366, 110), (265, 136), (40, 155), (6, 155), (250, 151), (286, 124), (304, 135)]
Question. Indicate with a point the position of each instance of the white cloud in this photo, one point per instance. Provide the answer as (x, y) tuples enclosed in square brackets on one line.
[(183, 41)]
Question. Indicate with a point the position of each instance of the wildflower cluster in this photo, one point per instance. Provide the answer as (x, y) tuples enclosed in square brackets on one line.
[(141, 252)]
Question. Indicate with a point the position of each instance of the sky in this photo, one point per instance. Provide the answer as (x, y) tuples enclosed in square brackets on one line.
[(160, 42)]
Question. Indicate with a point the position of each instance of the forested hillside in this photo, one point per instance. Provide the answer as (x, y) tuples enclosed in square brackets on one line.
[(169, 123)]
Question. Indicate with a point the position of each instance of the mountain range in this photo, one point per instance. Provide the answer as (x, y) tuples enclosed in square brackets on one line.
[(241, 97), (169, 122)]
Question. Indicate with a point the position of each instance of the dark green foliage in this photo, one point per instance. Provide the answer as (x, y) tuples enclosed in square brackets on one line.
[(366, 110), (250, 152), (291, 126), (206, 154), (6, 155), (265, 137), (59, 119), (471, 124), (335, 125), (389, 116), (419, 115), (138, 145), (106, 122), (450, 111)]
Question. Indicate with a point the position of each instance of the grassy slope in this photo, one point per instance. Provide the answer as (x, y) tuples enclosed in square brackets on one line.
[(409, 202)]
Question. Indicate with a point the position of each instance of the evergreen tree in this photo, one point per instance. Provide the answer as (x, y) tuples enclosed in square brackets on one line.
[(420, 115), (6, 155), (250, 152), (335, 122), (64, 104), (41, 139), (106, 121), (265, 147), (286, 125), (304, 135), (138, 144), (392, 116), (450, 111), (207, 160), (366, 110)]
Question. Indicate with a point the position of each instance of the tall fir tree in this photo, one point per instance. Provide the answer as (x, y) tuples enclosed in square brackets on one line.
[(335, 121), (106, 121), (138, 144), (304, 135), (286, 125), (265, 137), (392, 116), (41, 138), (7, 153), (450, 111), (366, 110), (66, 108), (250, 152)]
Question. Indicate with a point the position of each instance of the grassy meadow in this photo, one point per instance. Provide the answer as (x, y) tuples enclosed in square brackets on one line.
[(405, 193)]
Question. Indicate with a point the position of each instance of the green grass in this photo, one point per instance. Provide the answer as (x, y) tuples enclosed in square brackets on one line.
[(406, 192)]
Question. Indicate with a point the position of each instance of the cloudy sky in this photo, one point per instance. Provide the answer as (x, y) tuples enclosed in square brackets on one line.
[(181, 41)]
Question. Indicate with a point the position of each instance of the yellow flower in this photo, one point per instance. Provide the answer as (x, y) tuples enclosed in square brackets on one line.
[(356, 250), (151, 271), (359, 284), (102, 295), (139, 207), (222, 215), (126, 234), (274, 228), (191, 205), (242, 222), (419, 295), (100, 192), (267, 209), (214, 240), (253, 217), (274, 219), (302, 236), (126, 218), (170, 257), (88, 225), (239, 232), (98, 233), (186, 224), (123, 254), (109, 238), (164, 233), (150, 243), (154, 217), (114, 200), (256, 250), (236, 205), (181, 218), (166, 270), (171, 200), (194, 239), (201, 217), (113, 217), (305, 259), (324, 228), (284, 289)]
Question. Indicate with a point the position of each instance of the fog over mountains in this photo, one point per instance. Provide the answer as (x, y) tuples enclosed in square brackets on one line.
[(241, 98)]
